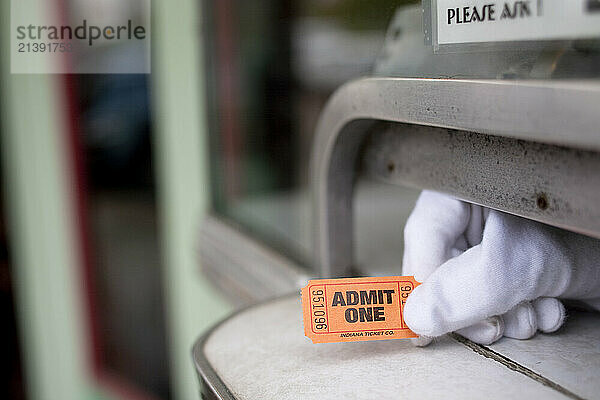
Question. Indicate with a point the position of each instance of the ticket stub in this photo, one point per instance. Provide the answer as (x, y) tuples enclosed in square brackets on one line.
[(355, 309)]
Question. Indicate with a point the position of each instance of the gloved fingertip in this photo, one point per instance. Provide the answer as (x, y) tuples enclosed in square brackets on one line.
[(421, 341), (521, 322), (418, 314), (550, 314), (485, 332)]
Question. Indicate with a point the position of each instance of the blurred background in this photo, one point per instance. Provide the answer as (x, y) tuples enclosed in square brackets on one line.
[(107, 179)]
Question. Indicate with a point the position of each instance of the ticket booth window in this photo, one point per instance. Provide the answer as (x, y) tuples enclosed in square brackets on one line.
[(271, 67)]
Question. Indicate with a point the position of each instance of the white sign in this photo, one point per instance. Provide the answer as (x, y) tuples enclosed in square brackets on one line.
[(477, 21)]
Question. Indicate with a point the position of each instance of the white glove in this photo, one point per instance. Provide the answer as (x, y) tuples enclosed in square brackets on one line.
[(487, 274)]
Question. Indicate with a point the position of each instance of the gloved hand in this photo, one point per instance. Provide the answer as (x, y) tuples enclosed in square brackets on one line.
[(487, 274)]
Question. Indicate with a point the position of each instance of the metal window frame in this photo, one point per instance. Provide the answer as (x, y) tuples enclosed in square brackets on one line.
[(562, 113)]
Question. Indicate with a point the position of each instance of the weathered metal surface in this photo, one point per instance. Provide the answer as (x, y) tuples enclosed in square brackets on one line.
[(569, 357), (262, 353), (548, 183)]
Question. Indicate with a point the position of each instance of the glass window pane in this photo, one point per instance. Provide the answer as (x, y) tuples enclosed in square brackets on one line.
[(272, 66)]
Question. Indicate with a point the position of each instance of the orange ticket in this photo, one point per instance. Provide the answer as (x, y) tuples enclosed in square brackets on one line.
[(355, 309)]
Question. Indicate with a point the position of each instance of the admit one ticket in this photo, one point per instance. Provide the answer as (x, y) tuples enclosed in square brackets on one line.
[(355, 309)]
